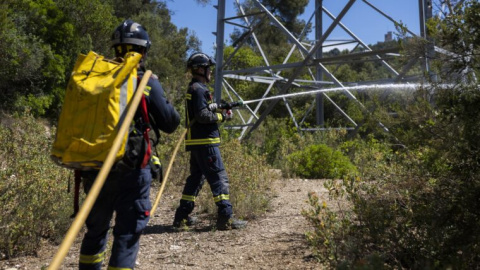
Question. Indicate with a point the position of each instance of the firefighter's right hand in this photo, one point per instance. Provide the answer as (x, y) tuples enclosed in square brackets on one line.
[(212, 106)]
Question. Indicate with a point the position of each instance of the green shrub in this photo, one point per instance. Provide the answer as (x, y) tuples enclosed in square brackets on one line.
[(278, 138), (320, 161), (250, 180), (34, 203), (373, 158), (415, 207), (275, 139)]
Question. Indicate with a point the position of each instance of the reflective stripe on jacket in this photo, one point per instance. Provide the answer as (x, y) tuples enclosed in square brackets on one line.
[(202, 124)]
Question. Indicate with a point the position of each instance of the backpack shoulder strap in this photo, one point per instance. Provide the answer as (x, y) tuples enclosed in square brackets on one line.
[(148, 153)]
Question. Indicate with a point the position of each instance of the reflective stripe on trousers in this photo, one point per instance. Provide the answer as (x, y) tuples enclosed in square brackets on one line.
[(206, 163)]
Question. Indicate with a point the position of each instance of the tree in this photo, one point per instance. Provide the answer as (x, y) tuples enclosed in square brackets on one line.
[(168, 53), (33, 57), (287, 11), (273, 40), (41, 40), (422, 211), (458, 33)]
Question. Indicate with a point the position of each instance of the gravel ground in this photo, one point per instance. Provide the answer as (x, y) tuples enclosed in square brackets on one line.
[(273, 241)]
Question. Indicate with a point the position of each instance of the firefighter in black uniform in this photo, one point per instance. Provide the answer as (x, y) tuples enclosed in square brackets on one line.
[(126, 190), (202, 140)]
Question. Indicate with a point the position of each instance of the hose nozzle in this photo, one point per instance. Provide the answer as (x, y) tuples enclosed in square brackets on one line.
[(230, 105)]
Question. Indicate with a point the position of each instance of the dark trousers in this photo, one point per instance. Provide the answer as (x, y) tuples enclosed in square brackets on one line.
[(126, 194), (206, 163)]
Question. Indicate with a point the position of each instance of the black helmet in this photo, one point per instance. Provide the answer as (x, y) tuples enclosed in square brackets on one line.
[(132, 33), (199, 59)]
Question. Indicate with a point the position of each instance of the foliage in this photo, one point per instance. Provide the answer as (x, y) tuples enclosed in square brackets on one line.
[(29, 63), (274, 43), (42, 39), (320, 161), (244, 58), (275, 140), (332, 225), (414, 207), (283, 147), (372, 156), (457, 33), (34, 202), (170, 45), (249, 178), (203, 2)]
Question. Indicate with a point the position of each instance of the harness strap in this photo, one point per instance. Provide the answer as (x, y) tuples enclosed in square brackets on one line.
[(76, 192), (148, 153)]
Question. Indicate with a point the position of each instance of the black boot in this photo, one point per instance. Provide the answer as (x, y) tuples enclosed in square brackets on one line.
[(181, 223), (225, 224)]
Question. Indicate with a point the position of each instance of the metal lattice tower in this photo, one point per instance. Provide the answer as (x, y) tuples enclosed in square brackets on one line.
[(313, 61)]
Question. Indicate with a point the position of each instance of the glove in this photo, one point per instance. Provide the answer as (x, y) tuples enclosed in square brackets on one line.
[(212, 106), (156, 169), (227, 115)]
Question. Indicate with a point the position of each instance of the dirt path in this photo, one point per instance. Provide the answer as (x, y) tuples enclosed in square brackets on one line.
[(275, 241)]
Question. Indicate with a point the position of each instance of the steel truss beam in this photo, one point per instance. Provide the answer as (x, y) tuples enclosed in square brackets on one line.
[(272, 76)]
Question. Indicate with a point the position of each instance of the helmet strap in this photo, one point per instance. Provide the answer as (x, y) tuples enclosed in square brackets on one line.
[(203, 74)]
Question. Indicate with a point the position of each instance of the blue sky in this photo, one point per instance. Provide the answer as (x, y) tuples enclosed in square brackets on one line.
[(365, 22)]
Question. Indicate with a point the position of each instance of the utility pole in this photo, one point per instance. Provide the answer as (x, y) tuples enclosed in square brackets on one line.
[(319, 54), (425, 13), (219, 50)]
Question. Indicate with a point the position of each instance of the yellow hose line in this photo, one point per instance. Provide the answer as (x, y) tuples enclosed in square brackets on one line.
[(100, 180), (164, 182)]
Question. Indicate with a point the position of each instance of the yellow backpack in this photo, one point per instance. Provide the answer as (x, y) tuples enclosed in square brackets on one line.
[(96, 99)]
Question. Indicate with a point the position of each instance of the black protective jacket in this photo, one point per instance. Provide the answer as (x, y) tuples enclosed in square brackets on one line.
[(202, 124), (162, 114)]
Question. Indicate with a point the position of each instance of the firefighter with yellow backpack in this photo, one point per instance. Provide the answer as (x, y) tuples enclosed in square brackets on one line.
[(126, 190)]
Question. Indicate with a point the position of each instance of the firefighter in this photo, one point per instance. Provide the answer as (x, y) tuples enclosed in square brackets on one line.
[(127, 188), (203, 140)]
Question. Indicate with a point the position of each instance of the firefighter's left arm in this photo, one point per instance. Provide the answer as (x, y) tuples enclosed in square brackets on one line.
[(200, 101), (205, 116)]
